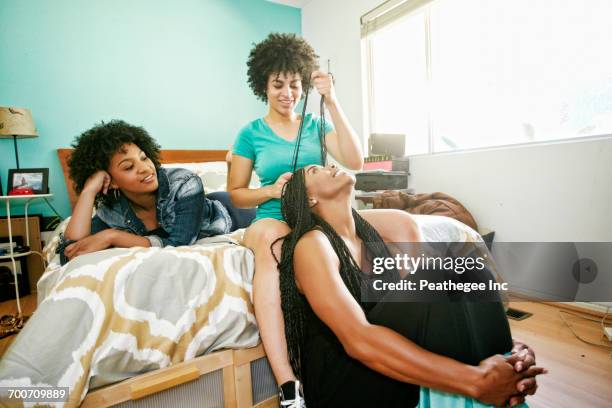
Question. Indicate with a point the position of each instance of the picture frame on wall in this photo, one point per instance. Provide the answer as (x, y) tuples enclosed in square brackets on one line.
[(35, 179)]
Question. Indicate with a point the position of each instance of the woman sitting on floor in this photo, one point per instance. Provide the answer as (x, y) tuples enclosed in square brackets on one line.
[(115, 168), (336, 345)]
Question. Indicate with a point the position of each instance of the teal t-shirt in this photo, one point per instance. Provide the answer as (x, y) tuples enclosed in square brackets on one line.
[(272, 155)]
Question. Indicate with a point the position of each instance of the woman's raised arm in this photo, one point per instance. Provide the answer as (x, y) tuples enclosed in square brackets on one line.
[(343, 142), (80, 223)]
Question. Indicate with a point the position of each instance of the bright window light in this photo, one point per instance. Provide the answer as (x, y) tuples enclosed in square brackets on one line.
[(457, 75)]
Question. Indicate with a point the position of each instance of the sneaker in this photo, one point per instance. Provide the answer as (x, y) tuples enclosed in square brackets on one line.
[(291, 395)]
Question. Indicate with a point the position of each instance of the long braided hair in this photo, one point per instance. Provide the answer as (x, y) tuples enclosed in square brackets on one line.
[(301, 219)]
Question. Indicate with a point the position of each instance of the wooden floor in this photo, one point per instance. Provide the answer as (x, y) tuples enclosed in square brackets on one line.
[(580, 375), (28, 306)]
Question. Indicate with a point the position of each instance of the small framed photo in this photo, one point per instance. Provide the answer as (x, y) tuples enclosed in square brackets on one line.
[(36, 179)]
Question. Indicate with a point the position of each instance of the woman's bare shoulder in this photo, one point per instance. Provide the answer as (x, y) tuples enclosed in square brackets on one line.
[(313, 240), (393, 225), (314, 248)]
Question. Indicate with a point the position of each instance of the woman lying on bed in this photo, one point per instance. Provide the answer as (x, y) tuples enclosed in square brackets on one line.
[(337, 343), (115, 167)]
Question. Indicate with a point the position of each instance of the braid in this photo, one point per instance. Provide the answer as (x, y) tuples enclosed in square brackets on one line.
[(300, 218), (298, 139), (292, 302), (322, 133)]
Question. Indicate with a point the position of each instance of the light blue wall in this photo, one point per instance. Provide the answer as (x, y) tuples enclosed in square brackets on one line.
[(178, 68)]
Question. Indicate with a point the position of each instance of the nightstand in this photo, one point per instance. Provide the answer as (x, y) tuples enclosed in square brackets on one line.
[(15, 322)]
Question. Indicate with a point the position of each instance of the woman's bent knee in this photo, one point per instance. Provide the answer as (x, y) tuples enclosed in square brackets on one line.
[(264, 232)]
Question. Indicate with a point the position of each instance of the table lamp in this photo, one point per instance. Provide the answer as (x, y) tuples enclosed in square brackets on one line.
[(16, 123)]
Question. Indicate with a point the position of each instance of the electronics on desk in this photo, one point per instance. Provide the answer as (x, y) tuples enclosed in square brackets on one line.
[(400, 164), (5, 248), (7, 280), (377, 163), (7, 245), (387, 144), (381, 180), (386, 163), (383, 174), (386, 168)]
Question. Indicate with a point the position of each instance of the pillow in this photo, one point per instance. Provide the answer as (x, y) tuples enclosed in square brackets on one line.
[(213, 174)]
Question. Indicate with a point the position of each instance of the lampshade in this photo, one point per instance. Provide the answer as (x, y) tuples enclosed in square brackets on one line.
[(16, 122)]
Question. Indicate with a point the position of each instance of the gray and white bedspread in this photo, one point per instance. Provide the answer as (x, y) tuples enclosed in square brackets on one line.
[(114, 314)]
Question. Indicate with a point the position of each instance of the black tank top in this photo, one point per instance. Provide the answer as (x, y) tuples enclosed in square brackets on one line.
[(466, 331), (333, 379)]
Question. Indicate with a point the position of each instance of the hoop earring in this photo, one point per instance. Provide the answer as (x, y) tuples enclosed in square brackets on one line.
[(116, 193)]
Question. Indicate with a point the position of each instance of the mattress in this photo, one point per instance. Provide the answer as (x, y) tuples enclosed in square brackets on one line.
[(114, 314)]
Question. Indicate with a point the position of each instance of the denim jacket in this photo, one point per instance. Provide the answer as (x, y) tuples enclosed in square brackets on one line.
[(184, 214)]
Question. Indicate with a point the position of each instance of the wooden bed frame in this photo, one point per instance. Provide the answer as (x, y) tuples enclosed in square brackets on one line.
[(235, 364), (237, 388)]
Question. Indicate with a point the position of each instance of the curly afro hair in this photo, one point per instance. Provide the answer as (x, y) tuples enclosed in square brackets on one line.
[(94, 148), (280, 53)]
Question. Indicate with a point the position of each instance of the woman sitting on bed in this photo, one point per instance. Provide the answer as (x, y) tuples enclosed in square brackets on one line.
[(353, 353), (115, 168), (281, 70)]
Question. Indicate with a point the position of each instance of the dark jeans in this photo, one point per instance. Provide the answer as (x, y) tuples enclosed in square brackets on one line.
[(241, 217)]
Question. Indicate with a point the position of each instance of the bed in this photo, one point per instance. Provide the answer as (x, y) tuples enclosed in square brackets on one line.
[(148, 326), (157, 326)]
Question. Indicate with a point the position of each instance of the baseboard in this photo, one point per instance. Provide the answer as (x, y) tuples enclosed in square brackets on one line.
[(580, 307), (599, 307)]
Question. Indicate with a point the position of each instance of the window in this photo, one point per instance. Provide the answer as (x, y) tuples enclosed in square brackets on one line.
[(454, 75)]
